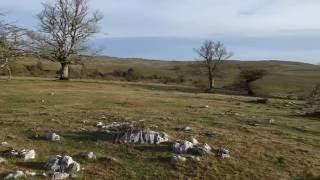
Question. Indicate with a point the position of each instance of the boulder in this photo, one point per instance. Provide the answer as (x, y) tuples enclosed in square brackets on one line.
[(133, 133), (64, 164), (144, 137)]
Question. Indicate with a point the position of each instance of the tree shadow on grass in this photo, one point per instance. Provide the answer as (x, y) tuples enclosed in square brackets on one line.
[(164, 147), (32, 165), (89, 136)]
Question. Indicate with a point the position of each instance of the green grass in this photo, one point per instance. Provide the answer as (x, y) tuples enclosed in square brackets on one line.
[(283, 78), (287, 149)]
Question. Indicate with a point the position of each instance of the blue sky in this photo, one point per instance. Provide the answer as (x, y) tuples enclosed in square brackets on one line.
[(170, 29)]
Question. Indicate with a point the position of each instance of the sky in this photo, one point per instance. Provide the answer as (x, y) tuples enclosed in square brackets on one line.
[(171, 29)]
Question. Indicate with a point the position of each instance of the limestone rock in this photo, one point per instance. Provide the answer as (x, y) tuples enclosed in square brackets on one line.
[(62, 164), (187, 128), (28, 154), (15, 175), (144, 137), (29, 173), (53, 137), (89, 156), (133, 133), (4, 143), (223, 153), (182, 147), (194, 141), (177, 158), (60, 176), (189, 147), (2, 160)]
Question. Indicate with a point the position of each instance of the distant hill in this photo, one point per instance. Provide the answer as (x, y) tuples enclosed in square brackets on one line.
[(283, 78)]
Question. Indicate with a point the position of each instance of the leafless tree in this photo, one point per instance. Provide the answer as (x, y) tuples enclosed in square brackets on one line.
[(211, 54), (11, 44), (64, 30)]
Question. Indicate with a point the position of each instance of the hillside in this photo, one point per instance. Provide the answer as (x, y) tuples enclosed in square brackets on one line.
[(284, 79), (265, 141)]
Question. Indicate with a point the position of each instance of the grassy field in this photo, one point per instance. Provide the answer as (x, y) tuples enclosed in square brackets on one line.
[(282, 80), (289, 148)]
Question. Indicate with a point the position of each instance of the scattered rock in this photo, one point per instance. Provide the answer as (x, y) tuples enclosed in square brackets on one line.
[(144, 137), (103, 117), (29, 173), (223, 153), (15, 175), (271, 121), (2, 160), (60, 176), (205, 106), (195, 158), (53, 137), (133, 133), (187, 128), (189, 147), (52, 93), (100, 125), (90, 156), (26, 154), (177, 158), (182, 147), (4, 143), (194, 141), (62, 164)]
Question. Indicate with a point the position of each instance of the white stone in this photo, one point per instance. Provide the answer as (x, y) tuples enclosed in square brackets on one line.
[(90, 156), (28, 154), (100, 125), (15, 175), (177, 158), (223, 153), (53, 137), (4, 143), (187, 128), (2, 160), (60, 176), (144, 137), (29, 173), (194, 141), (182, 147), (62, 164)]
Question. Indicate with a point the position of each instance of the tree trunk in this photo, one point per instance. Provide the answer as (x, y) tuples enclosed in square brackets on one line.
[(64, 72), (211, 82), (248, 87)]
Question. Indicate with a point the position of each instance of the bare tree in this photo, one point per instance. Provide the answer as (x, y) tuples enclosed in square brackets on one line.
[(211, 54), (11, 44), (64, 30)]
